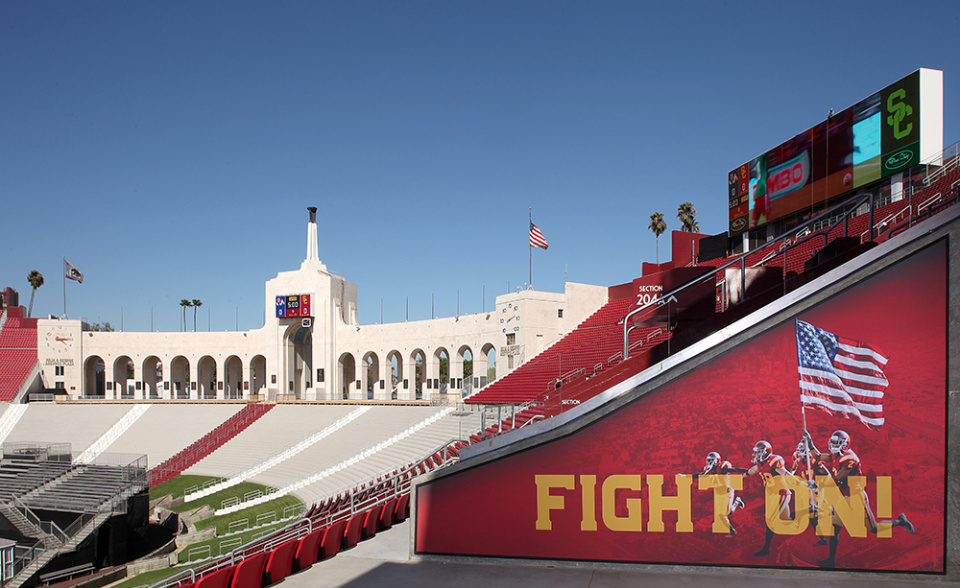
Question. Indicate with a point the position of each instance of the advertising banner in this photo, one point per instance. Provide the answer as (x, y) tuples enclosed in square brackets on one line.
[(714, 468), (875, 138)]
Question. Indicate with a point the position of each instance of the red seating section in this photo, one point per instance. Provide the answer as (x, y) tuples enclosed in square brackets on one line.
[(18, 352), (208, 443)]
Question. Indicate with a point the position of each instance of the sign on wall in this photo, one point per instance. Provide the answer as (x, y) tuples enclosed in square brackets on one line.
[(711, 469)]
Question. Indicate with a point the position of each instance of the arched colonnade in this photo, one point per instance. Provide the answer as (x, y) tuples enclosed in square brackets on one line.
[(174, 378), (413, 374)]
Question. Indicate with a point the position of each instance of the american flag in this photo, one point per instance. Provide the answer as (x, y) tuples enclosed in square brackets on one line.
[(840, 375), (536, 237)]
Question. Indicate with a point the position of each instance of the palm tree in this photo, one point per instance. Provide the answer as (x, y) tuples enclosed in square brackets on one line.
[(687, 215), (658, 226), (196, 304), (35, 279), (184, 303)]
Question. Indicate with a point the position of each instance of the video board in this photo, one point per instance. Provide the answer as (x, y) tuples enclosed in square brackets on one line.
[(873, 139), (293, 305)]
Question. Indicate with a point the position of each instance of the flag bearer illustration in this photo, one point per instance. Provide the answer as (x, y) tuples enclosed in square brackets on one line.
[(808, 468), (846, 475)]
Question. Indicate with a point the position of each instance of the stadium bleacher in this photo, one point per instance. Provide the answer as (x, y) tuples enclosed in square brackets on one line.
[(18, 351)]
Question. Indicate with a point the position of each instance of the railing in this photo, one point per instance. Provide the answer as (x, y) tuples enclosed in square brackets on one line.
[(850, 207), (355, 501)]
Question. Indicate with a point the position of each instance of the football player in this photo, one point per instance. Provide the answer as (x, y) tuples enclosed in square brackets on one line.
[(846, 464), (715, 465), (770, 466), (808, 467)]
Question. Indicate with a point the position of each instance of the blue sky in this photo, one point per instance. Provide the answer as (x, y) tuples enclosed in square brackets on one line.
[(169, 149)]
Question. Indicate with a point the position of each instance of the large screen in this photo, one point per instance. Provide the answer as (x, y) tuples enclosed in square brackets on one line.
[(875, 138)]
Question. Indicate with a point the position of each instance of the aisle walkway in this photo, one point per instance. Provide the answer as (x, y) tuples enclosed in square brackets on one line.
[(383, 561)]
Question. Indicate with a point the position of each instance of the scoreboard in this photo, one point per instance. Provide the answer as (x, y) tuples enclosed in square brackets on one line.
[(293, 306)]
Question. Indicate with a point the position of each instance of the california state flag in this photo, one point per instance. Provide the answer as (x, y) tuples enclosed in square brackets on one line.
[(72, 272)]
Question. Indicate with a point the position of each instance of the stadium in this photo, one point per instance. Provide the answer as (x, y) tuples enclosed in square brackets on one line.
[(556, 429)]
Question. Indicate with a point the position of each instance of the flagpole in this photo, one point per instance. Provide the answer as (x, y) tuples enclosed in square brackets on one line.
[(64, 274), (530, 248), (806, 434)]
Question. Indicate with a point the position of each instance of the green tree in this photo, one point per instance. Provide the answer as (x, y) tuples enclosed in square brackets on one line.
[(35, 279), (687, 215), (196, 304), (184, 303), (658, 226)]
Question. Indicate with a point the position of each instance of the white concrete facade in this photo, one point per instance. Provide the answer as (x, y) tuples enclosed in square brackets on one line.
[(330, 356)]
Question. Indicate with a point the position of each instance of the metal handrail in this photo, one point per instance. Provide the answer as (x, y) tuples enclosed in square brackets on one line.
[(741, 261)]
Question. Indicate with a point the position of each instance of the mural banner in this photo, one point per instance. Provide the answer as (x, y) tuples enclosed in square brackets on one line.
[(819, 443)]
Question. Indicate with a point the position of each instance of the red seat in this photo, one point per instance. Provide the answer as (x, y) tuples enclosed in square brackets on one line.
[(403, 508), (249, 572), (218, 579), (307, 550), (280, 561), (351, 532), (371, 523), (332, 540), (388, 514)]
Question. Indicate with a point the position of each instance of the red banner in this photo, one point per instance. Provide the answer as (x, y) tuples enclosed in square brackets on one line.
[(635, 486)]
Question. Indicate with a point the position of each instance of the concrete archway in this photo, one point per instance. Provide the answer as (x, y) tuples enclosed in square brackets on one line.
[(207, 378), (441, 369), (151, 374), (298, 359), (94, 377), (258, 375), (418, 368), (180, 378), (233, 378), (347, 375), (370, 377), (488, 373), (124, 375), (463, 369), (395, 382)]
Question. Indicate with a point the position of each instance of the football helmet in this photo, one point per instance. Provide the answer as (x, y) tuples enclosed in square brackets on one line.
[(761, 451), (802, 449), (839, 442), (713, 458)]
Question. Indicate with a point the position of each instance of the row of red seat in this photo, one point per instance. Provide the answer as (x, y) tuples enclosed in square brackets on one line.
[(294, 555), (207, 444), (18, 351)]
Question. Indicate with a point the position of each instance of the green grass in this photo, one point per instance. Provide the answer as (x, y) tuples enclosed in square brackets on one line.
[(245, 537), (176, 486), (222, 522), (150, 577), (215, 501)]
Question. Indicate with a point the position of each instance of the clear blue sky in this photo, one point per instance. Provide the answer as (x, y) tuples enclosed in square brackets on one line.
[(169, 149)]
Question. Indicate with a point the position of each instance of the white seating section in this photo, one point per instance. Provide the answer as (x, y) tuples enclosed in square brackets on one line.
[(313, 451)]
